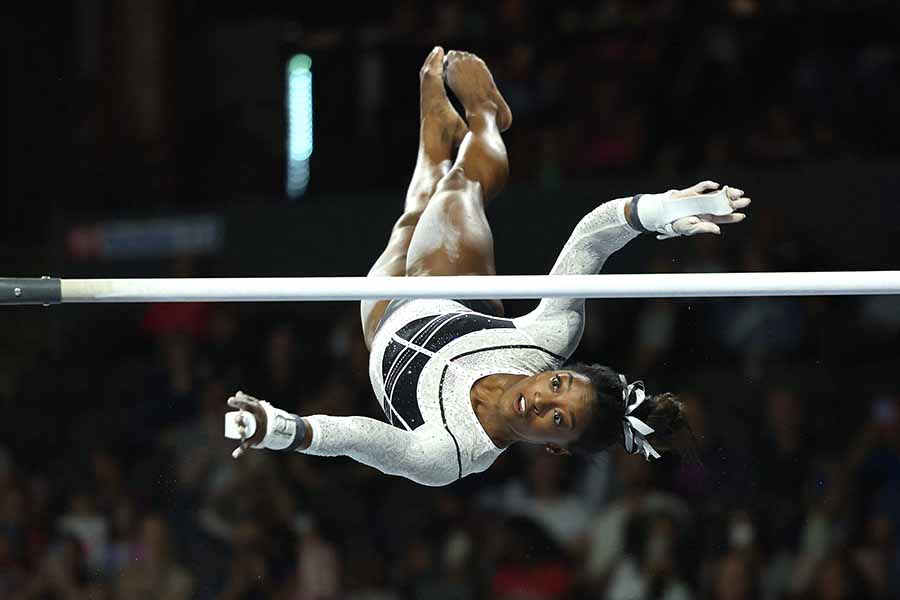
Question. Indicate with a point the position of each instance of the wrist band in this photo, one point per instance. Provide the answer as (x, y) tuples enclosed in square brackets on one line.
[(635, 220), (300, 429)]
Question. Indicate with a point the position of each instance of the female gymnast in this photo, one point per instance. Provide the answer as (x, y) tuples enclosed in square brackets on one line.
[(459, 383)]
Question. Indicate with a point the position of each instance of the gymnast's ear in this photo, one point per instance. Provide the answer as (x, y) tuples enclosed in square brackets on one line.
[(556, 450)]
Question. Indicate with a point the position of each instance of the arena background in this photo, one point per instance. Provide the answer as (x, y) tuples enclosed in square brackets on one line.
[(148, 138)]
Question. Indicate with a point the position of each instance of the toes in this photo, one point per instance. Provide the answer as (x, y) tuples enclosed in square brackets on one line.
[(433, 63), (459, 55), (450, 59)]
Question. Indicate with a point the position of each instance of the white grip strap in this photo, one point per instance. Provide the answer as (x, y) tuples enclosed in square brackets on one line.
[(232, 431), (656, 212), (281, 427)]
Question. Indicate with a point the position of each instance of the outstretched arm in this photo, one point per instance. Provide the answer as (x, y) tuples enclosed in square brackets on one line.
[(557, 323), (426, 455)]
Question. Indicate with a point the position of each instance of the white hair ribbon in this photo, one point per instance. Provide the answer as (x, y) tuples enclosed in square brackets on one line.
[(636, 431)]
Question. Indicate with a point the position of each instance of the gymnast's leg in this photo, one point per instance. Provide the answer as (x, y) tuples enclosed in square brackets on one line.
[(453, 236), (440, 133)]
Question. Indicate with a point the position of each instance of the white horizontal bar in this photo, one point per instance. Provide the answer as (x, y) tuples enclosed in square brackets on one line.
[(284, 289)]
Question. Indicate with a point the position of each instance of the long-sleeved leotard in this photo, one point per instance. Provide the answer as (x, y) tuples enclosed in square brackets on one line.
[(427, 355)]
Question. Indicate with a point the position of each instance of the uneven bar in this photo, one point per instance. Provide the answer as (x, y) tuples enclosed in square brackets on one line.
[(293, 289), (33, 290)]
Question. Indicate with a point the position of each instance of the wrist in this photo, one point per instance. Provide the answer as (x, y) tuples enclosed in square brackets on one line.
[(303, 437), (649, 211), (284, 431), (631, 214)]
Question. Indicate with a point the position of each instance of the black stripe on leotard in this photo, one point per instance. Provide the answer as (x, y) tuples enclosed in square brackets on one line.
[(444, 419), (402, 366), (465, 324), (513, 346)]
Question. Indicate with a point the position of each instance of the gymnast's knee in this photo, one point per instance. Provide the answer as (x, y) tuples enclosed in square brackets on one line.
[(456, 180)]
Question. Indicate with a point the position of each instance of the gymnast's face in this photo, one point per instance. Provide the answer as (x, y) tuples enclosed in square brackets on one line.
[(551, 408)]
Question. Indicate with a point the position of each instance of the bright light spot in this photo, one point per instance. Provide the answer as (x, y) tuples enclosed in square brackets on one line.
[(299, 123)]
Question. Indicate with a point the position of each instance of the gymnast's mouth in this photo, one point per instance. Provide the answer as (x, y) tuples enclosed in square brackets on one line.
[(522, 404)]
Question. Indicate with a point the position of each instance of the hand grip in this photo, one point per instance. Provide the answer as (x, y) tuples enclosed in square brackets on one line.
[(231, 426), (715, 203)]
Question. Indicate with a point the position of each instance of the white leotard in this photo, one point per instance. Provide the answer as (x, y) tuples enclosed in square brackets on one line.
[(427, 355)]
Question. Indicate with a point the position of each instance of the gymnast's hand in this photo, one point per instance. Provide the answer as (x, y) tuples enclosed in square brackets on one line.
[(248, 404), (709, 223), (698, 209), (258, 424)]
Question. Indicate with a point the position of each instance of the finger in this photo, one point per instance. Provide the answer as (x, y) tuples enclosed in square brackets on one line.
[(241, 404), (241, 421), (733, 193), (704, 227), (732, 218), (685, 225), (740, 203), (704, 186), (247, 397)]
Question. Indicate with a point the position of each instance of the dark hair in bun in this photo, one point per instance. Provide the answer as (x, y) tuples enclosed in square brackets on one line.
[(663, 412)]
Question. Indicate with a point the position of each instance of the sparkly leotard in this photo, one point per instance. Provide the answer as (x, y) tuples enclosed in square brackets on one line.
[(427, 355)]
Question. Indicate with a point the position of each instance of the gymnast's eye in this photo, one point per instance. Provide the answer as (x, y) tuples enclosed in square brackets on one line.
[(555, 383), (557, 418)]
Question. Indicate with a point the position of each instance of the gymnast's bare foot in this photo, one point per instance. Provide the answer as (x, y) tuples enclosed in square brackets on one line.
[(473, 84), (441, 124)]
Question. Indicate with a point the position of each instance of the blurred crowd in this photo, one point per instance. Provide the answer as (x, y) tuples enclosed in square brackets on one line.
[(116, 481), (191, 111), (599, 87), (663, 85)]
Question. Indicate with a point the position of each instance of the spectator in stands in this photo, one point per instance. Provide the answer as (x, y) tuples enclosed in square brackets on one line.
[(154, 572)]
